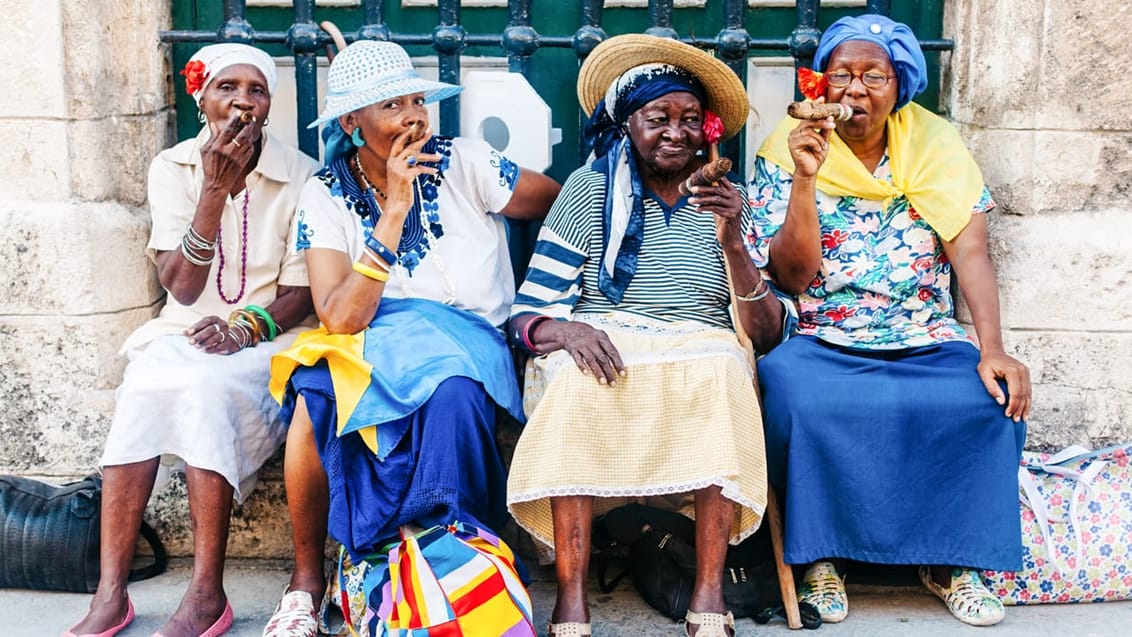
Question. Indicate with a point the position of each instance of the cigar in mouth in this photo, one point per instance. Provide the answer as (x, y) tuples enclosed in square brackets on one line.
[(813, 111), (416, 132), (246, 118)]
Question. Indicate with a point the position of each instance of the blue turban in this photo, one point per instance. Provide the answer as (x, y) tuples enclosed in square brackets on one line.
[(894, 37)]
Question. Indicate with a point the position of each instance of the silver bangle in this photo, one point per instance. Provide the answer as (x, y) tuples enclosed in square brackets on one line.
[(193, 256), (759, 293)]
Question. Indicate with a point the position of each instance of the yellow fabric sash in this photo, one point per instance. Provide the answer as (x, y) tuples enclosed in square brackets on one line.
[(930, 165), (349, 371)]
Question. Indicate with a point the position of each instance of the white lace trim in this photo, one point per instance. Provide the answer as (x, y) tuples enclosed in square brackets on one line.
[(729, 489)]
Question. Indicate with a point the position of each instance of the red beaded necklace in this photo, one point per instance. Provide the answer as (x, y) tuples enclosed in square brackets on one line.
[(243, 258)]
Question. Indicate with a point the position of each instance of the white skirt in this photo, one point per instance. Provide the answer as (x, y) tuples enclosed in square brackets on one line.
[(208, 411)]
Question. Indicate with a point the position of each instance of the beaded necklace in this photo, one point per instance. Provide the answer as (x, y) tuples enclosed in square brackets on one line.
[(445, 282), (243, 258)]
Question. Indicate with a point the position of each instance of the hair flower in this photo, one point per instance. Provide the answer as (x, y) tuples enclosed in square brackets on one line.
[(811, 83), (196, 74), (712, 127)]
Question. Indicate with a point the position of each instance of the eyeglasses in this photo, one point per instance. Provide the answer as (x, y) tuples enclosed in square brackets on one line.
[(842, 79)]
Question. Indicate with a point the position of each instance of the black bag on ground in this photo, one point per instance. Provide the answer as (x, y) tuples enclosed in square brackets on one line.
[(49, 536), (661, 560)]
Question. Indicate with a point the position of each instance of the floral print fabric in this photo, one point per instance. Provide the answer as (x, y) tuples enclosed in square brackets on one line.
[(884, 283)]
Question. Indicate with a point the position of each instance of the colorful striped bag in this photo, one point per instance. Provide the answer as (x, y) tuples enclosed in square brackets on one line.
[(453, 581)]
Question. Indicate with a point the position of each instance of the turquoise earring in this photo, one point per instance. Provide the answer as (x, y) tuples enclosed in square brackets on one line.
[(356, 137)]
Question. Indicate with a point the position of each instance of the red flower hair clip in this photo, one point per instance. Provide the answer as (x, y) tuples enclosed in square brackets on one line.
[(811, 83), (712, 127), (196, 74)]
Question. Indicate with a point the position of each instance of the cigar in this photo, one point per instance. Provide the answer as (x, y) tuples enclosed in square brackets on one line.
[(416, 132), (246, 118), (815, 111), (709, 173)]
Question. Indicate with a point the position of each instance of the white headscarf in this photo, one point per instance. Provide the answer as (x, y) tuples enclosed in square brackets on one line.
[(217, 57)]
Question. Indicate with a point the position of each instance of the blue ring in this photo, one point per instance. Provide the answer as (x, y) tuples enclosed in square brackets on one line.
[(411, 161)]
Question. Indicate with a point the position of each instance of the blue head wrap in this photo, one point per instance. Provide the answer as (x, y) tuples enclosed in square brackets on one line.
[(623, 224), (894, 37)]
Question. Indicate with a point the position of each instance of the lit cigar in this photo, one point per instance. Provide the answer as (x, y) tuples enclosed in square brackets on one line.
[(705, 175), (246, 118), (815, 111)]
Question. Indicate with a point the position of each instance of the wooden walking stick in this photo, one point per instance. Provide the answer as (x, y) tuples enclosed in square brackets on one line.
[(772, 515)]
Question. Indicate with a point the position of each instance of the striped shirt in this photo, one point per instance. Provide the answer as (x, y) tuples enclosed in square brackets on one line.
[(680, 273)]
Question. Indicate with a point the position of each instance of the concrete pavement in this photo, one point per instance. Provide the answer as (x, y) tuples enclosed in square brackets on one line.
[(894, 608)]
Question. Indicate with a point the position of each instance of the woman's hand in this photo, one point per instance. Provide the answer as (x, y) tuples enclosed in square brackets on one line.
[(726, 203), (809, 145), (211, 336), (590, 348), (226, 153), (997, 364), (405, 163)]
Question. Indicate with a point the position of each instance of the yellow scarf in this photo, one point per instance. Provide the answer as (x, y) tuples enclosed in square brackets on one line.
[(930, 165)]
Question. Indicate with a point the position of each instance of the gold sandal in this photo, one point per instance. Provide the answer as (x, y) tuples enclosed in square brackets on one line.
[(711, 624)]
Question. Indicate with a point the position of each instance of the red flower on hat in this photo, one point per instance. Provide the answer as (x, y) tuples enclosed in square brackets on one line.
[(712, 127), (196, 74), (811, 83)]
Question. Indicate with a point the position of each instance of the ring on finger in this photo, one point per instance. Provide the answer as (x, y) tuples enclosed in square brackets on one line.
[(411, 161), (223, 336), (236, 143)]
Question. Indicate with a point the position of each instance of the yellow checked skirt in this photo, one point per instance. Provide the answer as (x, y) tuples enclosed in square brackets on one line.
[(684, 417)]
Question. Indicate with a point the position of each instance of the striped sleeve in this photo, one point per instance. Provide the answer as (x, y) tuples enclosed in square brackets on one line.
[(554, 278)]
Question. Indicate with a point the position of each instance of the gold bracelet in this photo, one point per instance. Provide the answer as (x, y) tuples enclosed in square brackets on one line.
[(370, 273), (757, 294)]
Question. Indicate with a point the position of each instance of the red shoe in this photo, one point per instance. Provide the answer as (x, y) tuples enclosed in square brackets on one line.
[(109, 632)]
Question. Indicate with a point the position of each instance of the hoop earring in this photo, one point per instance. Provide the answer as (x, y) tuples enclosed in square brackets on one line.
[(356, 137), (201, 118), (265, 121)]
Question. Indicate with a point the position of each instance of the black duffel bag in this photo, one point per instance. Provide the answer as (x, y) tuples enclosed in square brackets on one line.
[(49, 536)]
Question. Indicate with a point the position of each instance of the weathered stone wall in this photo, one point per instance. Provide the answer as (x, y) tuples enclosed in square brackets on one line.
[(1038, 89)]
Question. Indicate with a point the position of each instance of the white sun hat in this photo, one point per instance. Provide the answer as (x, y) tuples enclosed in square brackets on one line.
[(367, 72)]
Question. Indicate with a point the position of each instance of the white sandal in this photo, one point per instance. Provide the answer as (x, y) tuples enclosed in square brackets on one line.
[(293, 617), (568, 629), (711, 624)]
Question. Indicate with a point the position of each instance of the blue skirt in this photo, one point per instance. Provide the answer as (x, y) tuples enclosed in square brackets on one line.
[(443, 465), (891, 457)]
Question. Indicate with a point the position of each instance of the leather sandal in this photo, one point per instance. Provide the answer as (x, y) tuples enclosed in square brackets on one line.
[(568, 629), (711, 624)]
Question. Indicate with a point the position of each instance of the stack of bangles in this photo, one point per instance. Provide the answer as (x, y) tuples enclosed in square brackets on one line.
[(529, 330), (244, 326), (762, 288), (196, 249), (383, 258)]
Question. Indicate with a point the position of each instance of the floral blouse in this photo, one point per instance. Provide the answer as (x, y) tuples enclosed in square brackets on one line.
[(884, 283)]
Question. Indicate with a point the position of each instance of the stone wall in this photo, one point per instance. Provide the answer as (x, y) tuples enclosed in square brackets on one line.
[(1037, 88)]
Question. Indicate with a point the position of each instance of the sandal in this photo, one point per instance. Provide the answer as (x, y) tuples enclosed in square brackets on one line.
[(568, 629), (711, 624), (113, 630), (294, 617), (824, 589), (967, 597)]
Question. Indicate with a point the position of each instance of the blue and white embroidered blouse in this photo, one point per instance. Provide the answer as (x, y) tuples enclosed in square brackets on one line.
[(460, 203)]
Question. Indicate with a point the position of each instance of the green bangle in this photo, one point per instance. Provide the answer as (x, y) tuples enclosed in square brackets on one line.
[(272, 328)]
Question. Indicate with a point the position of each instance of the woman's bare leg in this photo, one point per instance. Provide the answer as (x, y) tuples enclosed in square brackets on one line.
[(308, 501), (573, 517), (125, 492), (714, 515)]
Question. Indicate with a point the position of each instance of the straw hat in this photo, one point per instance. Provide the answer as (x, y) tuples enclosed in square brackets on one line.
[(367, 72), (726, 95)]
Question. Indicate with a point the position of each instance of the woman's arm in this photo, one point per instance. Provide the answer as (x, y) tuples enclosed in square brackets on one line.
[(795, 251), (761, 315), (973, 268), (224, 165), (533, 196)]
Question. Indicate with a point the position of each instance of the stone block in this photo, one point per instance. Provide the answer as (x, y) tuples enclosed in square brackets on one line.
[(59, 375), (75, 259), (110, 157), (1081, 385), (114, 62), (33, 153), (1067, 272), (33, 48)]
